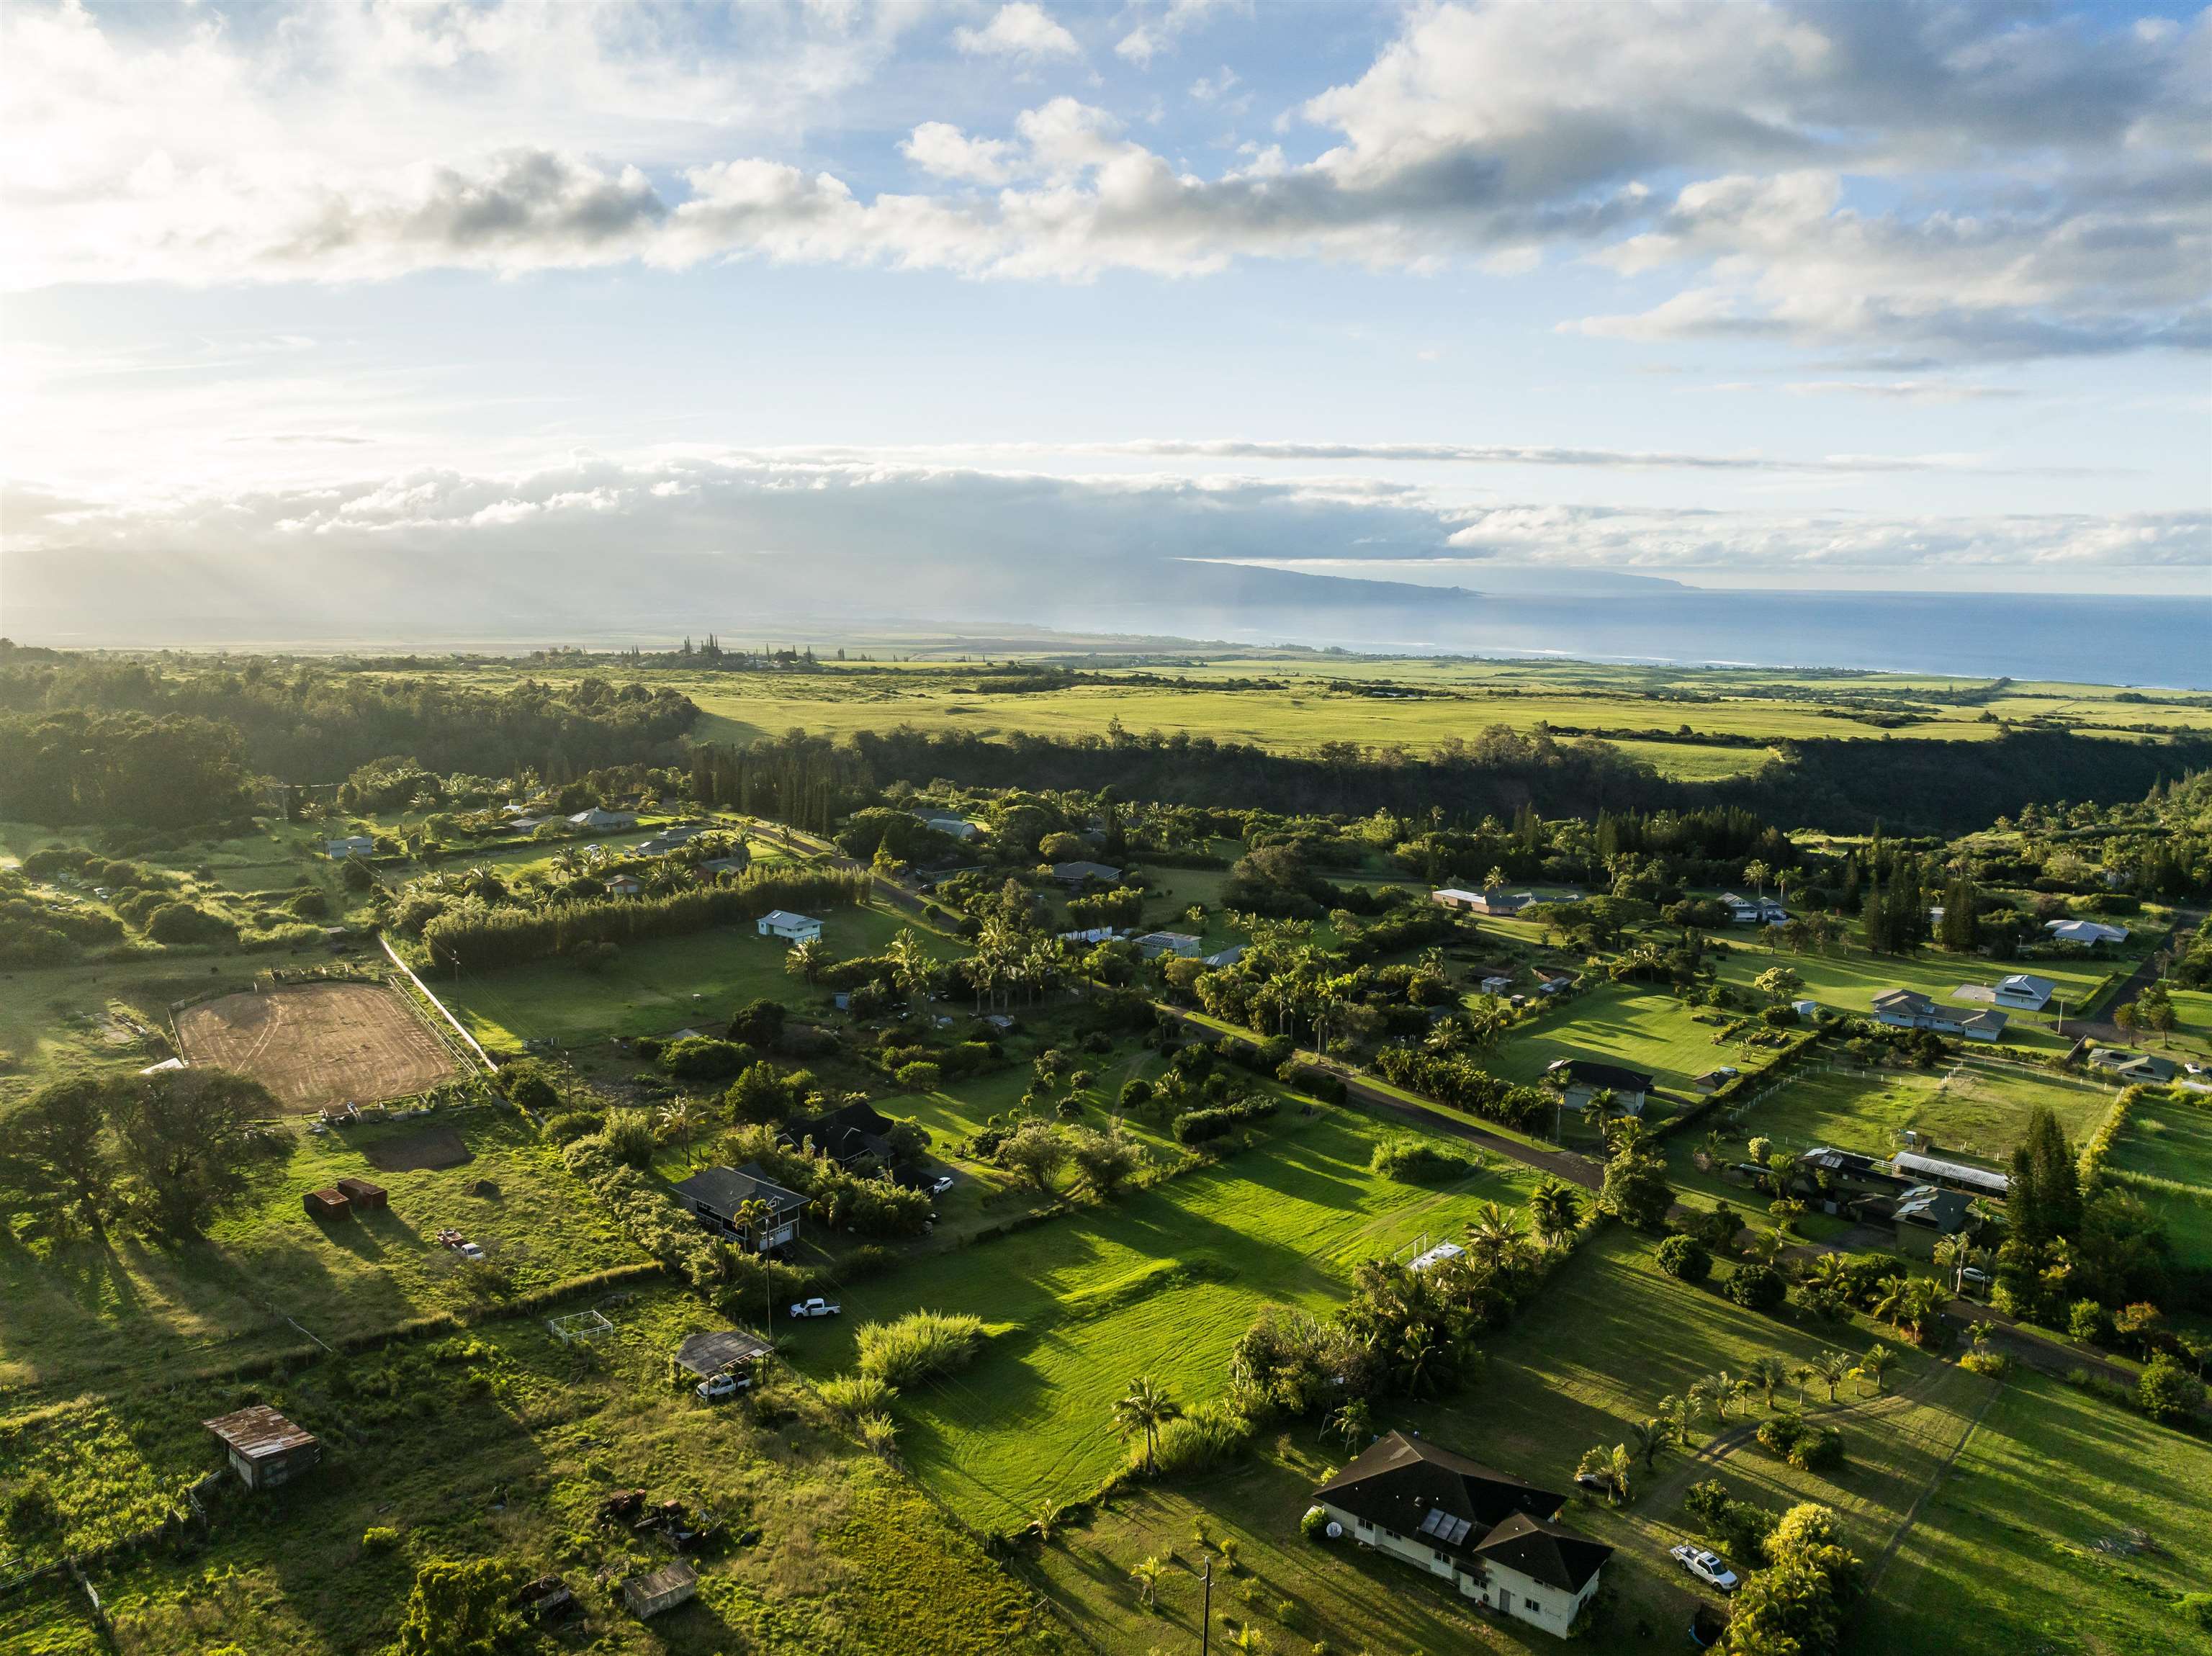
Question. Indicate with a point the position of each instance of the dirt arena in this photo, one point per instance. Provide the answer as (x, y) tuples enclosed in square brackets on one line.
[(319, 1043)]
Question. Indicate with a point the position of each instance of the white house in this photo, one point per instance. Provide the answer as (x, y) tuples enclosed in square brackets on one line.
[(1491, 1535), (792, 928), (2025, 992), (1494, 900), (1153, 944), (1750, 911), (596, 821), (1908, 1009), (2087, 932), (958, 826)]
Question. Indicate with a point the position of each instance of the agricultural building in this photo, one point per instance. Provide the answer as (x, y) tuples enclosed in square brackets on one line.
[(664, 1589), (329, 1203), (265, 1449), (1978, 1182), (364, 1195), (354, 845)]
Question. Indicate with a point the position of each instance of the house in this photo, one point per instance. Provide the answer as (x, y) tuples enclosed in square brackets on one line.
[(944, 822), (354, 845), (1924, 1215), (1580, 1079), (1228, 956), (659, 845), (792, 928), (1806, 1008), (1753, 911), (1843, 1176), (1091, 934), (623, 885), (1928, 1169), (715, 1195), (265, 1449), (530, 824), (845, 1135), (2135, 1067), (1496, 900), (1553, 980), (2087, 932), (1713, 1080), (664, 1589), (718, 1350), (596, 821), (1908, 1009), (1074, 873), (1436, 1256), (1497, 983), (2025, 992), (1153, 944), (1488, 1533), (736, 862)]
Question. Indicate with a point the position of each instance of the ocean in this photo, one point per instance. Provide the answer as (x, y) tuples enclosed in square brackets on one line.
[(2164, 642)]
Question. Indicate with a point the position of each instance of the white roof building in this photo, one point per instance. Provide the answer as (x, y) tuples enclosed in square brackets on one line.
[(2091, 932), (792, 928)]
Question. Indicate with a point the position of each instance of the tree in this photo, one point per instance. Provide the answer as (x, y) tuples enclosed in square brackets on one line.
[(1877, 1363), (1646, 1438), (808, 959), (1796, 1605), (1636, 1191), (912, 969), (2045, 1198), (1614, 1467), (1910, 1303), (1832, 1368), (1778, 984), (2167, 1392), (1555, 1206), (1105, 1159), (461, 1608), (52, 1150), (1496, 1236), (680, 1119), (1035, 1153), (1353, 1421), (1141, 1412), (1756, 874), (1686, 1259), (1767, 1374), (189, 1137), (1146, 1574)]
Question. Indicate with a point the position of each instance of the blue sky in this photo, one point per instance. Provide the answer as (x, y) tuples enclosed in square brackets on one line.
[(1734, 296)]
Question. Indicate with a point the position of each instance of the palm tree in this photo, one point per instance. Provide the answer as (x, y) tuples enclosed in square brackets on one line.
[(1496, 1236), (678, 1119), (1353, 1422), (807, 959), (1555, 1206), (1419, 1355), (1877, 1362), (1147, 1577), (1707, 1394), (1144, 1410), (1798, 1374), (1646, 1438), (1681, 1418), (1758, 874), (1615, 1466), (1831, 1369), (1767, 1374), (912, 969)]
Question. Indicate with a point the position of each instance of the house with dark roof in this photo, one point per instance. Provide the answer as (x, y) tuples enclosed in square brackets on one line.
[(1491, 1535), (845, 1135), (715, 1196), (1077, 873), (1578, 1080), (1908, 1009)]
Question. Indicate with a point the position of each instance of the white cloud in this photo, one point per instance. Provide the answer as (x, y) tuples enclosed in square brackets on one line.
[(941, 149), (1886, 186), (1158, 34), (1021, 30)]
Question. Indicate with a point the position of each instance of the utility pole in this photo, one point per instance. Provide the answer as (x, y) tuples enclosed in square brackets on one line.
[(1206, 1614)]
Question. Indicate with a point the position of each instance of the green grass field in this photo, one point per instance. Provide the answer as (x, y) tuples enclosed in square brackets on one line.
[(118, 1312), (503, 1444), (1160, 1282), (2004, 1557), (2165, 1157), (654, 988), (1624, 1023)]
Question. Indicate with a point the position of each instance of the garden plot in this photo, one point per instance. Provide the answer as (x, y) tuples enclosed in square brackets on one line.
[(318, 1044)]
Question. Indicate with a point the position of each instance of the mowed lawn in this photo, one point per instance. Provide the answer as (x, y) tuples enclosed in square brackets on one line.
[(1642, 1027), (656, 987), (1848, 980), (1605, 1338), (1160, 1282), (2004, 1557), (102, 1312), (2165, 1157)]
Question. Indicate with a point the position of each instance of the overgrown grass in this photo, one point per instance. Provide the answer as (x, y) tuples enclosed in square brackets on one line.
[(2165, 1157), (921, 1346)]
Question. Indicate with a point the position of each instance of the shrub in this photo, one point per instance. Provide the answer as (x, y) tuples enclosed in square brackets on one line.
[(181, 922), (1315, 1524), (526, 1083), (310, 906), (1686, 1259), (702, 1057), (379, 1537), (572, 1125), (630, 1138), (1208, 1436), (1202, 1126), (851, 1396), (920, 1346), (1135, 1095), (1756, 1287), (921, 1077), (2167, 1392), (1411, 1159), (1804, 1444)]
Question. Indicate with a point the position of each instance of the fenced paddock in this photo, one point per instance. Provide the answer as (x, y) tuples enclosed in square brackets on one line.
[(580, 1325), (318, 1043)]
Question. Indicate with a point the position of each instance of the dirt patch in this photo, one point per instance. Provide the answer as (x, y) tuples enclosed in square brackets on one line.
[(319, 1043), (432, 1147)]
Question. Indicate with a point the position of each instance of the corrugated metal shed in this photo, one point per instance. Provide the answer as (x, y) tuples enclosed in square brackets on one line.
[(664, 1589), (259, 1432)]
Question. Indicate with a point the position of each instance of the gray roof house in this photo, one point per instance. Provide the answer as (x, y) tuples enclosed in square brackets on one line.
[(1581, 1079), (1908, 1009), (715, 1195), (1491, 1535), (1077, 873)]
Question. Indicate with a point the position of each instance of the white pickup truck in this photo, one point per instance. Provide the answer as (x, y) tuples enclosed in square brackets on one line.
[(722, 1386), (817, 1307), (1705, 1565)]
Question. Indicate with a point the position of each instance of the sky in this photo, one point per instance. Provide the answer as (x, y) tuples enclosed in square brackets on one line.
[(931, 303)]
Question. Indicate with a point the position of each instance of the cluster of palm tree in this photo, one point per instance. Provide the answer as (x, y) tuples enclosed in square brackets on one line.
[(1009, 959)]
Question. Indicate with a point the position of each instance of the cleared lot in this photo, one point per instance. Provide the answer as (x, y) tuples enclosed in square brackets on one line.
[(319, 1044)]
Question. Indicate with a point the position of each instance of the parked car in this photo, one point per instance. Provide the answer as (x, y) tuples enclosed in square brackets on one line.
[(817, 1307), (1705, 1565), (941, 1184), (722, 1386), (1595, 1483)]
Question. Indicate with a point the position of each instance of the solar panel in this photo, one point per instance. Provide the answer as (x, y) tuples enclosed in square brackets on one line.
[(1446, 1528)]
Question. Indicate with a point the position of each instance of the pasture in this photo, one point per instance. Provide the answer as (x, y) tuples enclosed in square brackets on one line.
[(656, 987), (502, 1443), (1159, 1282), (2165, 1157), (319, 1043), (115, 1311), (1642, 1027)]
